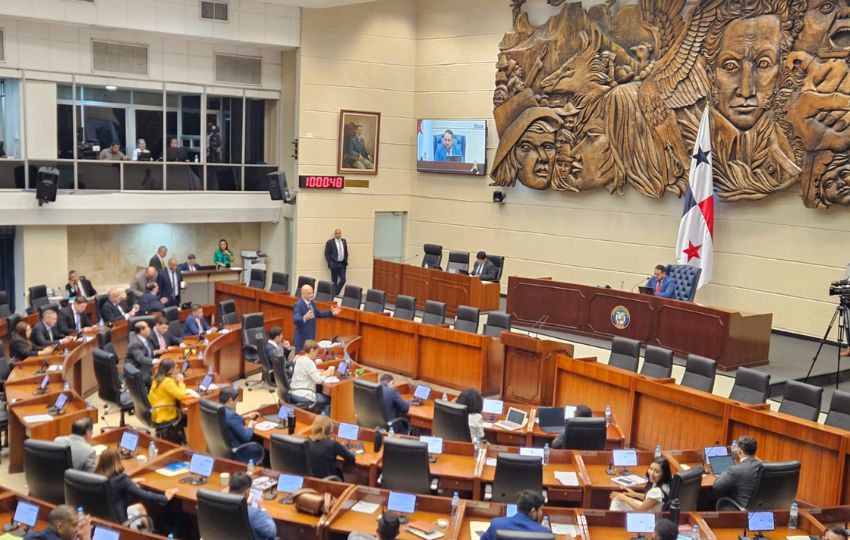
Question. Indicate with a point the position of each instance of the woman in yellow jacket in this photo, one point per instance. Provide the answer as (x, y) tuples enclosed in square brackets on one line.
[(166, 390)]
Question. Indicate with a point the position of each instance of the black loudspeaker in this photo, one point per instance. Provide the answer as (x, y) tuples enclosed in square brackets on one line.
[(278, 189), (45, 187)]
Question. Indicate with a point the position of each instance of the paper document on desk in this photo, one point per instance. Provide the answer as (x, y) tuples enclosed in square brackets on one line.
[(265, 426), (477, 529), (192, 393), (490, 462), (330, 380), (422, 534), (566, 478), (365, 507), (99, 448), (54, 367), (174, 469), (326, 344), (36, 418), (564, 528), (628, 480), (798, 537)]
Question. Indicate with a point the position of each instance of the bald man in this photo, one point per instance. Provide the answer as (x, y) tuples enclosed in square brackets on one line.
[(336, 254), (304, 316)]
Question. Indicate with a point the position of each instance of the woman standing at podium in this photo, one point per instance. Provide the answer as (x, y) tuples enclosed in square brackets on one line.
[(223, 257)]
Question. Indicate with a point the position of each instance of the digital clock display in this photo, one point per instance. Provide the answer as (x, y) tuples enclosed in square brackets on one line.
[(321, 182)]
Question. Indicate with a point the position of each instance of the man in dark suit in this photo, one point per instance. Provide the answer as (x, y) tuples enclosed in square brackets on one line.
[(529, 514), (140, 352), (151, 301), (158, 260), (336, 255), (663, 285), (483, 268), (277, 347), (74, 319), (46, 331), (115, 309), (304, 316), (238, 432), (394, 405), (190, 265), (739, 482), (195, 322), (161, 339), (78, 286), (170, 282)]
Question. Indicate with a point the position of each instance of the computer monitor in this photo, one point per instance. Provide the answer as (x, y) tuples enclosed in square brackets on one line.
[(640, 523), (435, 444), (202, 465), (102, 533), (26, 513), (403, 503), (720, 463), (129, 441), (348, 431), (60, 402), (342, 370), (647, 290), (760, 521), (289, 483), (44, 382), (493, 406), (283, 412), (422, 392), (715, 451), (625, 457), (206, 382), (510, 510), (517, 416)]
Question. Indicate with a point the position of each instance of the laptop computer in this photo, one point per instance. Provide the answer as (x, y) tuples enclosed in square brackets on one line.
[(647, 290), (514, 420), (720, 463), (551, 419)]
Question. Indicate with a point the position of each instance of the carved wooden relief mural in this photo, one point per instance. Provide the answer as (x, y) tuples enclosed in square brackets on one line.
[(610, 97)]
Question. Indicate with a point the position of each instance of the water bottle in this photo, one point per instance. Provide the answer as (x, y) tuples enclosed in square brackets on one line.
[(80, 511), (476, 445), (67, 352), (546, 454), (695, 532), (657, 451), (455, 503), (391, 431), (170, 536), (250, 466), (792, 517), (66, 386), (445, 397), (210, 370), (347, 358), (151, 451), (100, 324), (608, 415), (734, 447)]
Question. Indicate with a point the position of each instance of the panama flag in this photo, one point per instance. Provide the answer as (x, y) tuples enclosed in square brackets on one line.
[(696, 230)]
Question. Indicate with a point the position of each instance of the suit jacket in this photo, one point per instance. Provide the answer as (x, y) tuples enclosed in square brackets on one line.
[(141, 357), (668, 286), (517, 522), (488, 273), (305, 330), (273, 352), (149, 303), (82, 453), (184, 267), (110, 312), (331, 254), (166, 288), (40, 336), (440, 154), (84, 284), (394, 405), (156, 263), (170, 340), (19, 349), (193, 326), (123, 488), (739, 482), (237, 433), (138, 284), (66, 320)]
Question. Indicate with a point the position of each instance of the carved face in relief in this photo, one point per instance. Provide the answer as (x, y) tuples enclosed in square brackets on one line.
[(746, 67), (592, 164), (835, 182), (534, 154), (826, 25)]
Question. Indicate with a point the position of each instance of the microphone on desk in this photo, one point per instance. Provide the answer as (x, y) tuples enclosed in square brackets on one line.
[(643, 280)]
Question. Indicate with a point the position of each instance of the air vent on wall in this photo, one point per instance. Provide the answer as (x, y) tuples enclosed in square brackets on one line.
[(119, 57), (238, 69), (2, 45), (214, 11)]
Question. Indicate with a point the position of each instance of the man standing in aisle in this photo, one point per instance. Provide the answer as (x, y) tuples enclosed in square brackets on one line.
[(336, 254), (305, 314)]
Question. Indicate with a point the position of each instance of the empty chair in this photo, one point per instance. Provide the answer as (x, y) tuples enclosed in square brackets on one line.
[(304, 280), (433, 256), (38, 297), (750, 386), (45, 463), (686, 278), (657, 362), (405, 466), (376, 301), (466, 319), (227, 312), (699, 373), (280, 282), (499, 262), (257, 279), (839, 411), (685, 486), (585, 433), (171, 313), (801, 400), (497, 322), (369, 407), (513, 473), (324, 291), (352, 296), (5, 310), (223, 516), (109, 383), (214, 427), (290, 454), (458, 262), (434, 312), (175, 328), (104, 340), (451, 421), (625, 353), (91, 491), (252, 324), (405, 307), (777, 487)]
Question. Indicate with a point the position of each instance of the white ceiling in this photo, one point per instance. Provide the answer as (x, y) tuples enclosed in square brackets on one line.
[(317, 3)]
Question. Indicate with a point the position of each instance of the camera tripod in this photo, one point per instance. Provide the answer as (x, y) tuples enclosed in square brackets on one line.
[(841, 314)]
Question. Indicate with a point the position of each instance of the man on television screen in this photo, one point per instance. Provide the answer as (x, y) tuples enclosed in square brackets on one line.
[(449, 150)]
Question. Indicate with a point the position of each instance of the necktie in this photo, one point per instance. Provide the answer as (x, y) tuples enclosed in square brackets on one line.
[(80, 289), (173, 282), (49, 332), (146, 345), (77, 321), (161, 341), (658, 285), (339, 253), (120, 309), (480, 266)]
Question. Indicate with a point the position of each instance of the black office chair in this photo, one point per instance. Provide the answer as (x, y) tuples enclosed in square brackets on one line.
[(585, 433), (504, 534), (777, 487), (324, 291), (252, 324), (369, 408), (801, 400), (171, 313), (497, 322), (109, 384), (405, 307), (214, 428), (91, 491), (257, 279), (227, 312), (685, 486), (223, 516), (88, 289), (45, 463), (131, 322), (839, 411), (514, 473), (750, 386), (466, 319), (699, 373), (625, 353), (267, 375), (451, 421), (11, 322), (45, 307), (171, 430), (499, 262), (376, 301), (100, 301), (405, 466), (38, 297), (657, 362), (290, 454), (5, 310), (104, 340), (304, 280), (283, 386), (352, 296), (280, 282), (433, 256), (458, 262), (434, 312)]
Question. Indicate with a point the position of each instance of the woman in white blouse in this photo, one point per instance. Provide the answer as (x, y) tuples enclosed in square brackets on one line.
[(474, 404), (306, 376), (656, 491)]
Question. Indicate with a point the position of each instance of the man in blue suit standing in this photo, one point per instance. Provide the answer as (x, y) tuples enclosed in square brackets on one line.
[(195, 323), (529, 514), (448, 148), (304, 316), (663, 285)]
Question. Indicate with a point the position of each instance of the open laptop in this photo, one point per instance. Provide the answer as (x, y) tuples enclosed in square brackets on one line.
[(551, 419), (514, 420), (720, 463), (647, 290)]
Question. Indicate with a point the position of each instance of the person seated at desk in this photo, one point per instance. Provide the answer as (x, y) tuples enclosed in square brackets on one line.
[(474, 405), (113, 153), (20, 346), (83, 455), (582, 411), (63, 523), (195, 323), (78, 287), (167, 391), (140, 351), (834, 532), (190, 265), (116, 309), (74, 318), (277, 347), (123, 488), (394, 405), (389, 525), (483, 268), (667, 530), (449, 148), (740, 481), (663, 285), (529, 514), (160, 339), (141, 152), (46, 331), (261, 522), (306, 376), (223, 257), (237, 432), (655, 493), (151, 302), (175, 152), (324, 449), (304, 315)]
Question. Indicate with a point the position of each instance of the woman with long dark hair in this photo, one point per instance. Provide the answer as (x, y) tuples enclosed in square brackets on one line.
[(655, 492)]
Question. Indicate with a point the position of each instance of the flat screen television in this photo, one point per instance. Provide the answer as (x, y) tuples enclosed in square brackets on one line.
[(452, 146)]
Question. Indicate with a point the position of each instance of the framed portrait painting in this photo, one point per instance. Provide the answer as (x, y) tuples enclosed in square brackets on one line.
[(359, 137)]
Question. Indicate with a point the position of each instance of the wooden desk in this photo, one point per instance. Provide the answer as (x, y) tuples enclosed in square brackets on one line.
[(732, 338), (600, 486), (529, 367), (112, 439), (200, 284), (477, 511), (559, 460), (601, 524), (730, 525), (432, 284)]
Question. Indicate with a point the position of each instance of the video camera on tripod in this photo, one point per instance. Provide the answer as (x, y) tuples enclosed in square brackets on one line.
[(840, 288)]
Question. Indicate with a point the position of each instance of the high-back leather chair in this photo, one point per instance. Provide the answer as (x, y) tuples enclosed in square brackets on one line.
[(514, 473), (142, 406), (585, 433), (458, 262), (280, 282), (657, 362), (405, 466), (11, 322), (499, 262), (777, 487), (290, 454), (104, 340), (369, 404), (5, 310), (257, 279), (405, 307), (751, 386), (38, 297), (100, 301), (324, 291), (685, 486), (376, 301), (839, 411), (497, 322), (451, 421), (171, 313), (352, 296), (227, 312), (252, 325), (434, 312), (699, 373), (214, 428), (109, 383), (91, 491), (223, 516), (625, 353), (466, 319), (433, 256), (801, 400), (45, 307), (281, 380), (304, 280), (131, 322), (45, 463), (686, 278)]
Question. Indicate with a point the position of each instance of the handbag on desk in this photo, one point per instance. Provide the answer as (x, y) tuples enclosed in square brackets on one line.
[(310, 501)]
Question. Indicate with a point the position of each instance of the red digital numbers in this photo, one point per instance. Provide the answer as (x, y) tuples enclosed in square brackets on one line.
[(321, 182)]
